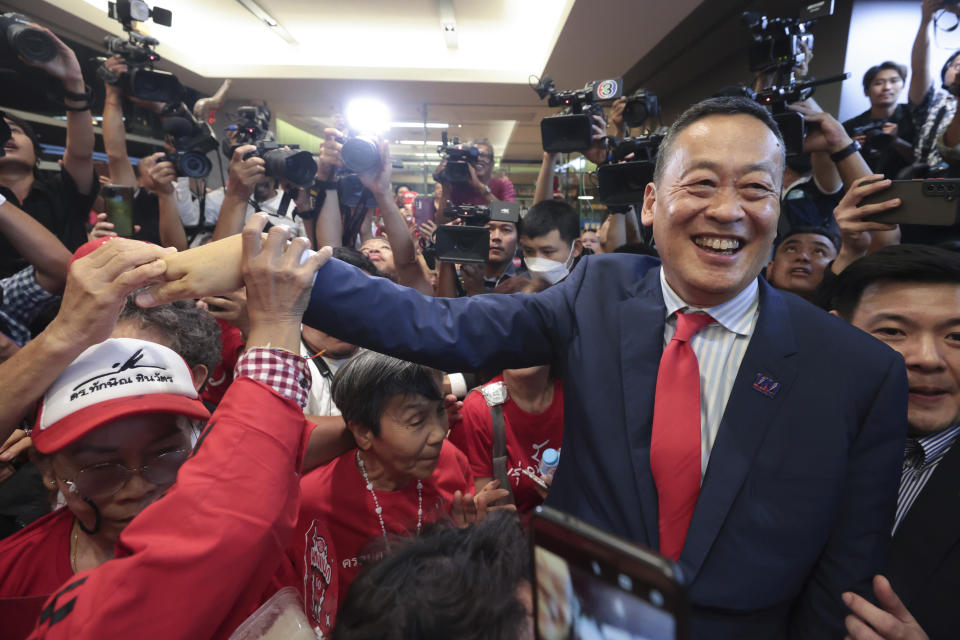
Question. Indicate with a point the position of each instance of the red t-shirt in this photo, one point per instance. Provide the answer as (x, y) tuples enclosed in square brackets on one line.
[(34, 562), (335, 497), (500, 188), (527, 435), (221, 377)]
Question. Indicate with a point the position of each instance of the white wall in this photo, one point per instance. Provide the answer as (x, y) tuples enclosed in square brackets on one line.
[(884, 30)]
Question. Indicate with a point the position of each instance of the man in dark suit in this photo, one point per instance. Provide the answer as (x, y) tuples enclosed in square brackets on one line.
[(909, 297), (798, 440)]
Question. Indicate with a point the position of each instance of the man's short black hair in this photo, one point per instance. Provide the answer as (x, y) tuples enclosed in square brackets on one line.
[(913, 263), (829, 234), (190, 331), (27, 131), (427, 586), (883, 66), (357, 259), (362, 387), (544, 217), (729, 106)]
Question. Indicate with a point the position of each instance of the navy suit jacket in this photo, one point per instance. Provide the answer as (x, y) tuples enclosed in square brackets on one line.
[(799, 494)]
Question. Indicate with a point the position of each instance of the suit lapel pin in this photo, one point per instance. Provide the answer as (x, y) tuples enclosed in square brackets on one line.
[(765, 385)]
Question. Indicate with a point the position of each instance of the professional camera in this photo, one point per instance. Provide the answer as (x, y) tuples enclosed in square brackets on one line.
[(360, 153), (777, 48), (875, 140), (470, 243), (293, 165), (137, 50), (572, 130), (459, 158), (622, 183), (18, 39), (639, 107), (192, 139)]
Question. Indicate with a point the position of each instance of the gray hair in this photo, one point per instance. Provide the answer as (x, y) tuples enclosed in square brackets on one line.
[(192, 332), (362, 387)]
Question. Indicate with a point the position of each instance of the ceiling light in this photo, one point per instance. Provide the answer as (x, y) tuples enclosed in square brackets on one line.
[(448, 23), (419, 125), (261, 14), (368, 115), (585, 197)]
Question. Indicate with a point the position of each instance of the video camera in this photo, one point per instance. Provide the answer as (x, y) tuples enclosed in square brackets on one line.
[(192, 139), (572, 130), (778, 47), (293, 165), (639, 107), (470, 243), (137, 50), (459, 158), (624, 183), (18, 39)]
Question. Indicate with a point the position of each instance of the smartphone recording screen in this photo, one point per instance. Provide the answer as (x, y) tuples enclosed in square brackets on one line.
[(580, 603), (589, 585)]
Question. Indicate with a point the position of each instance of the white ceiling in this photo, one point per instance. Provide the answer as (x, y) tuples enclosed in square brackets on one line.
[(396, 51)]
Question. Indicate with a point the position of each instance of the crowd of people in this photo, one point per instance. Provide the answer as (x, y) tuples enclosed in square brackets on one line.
[(275, 385)]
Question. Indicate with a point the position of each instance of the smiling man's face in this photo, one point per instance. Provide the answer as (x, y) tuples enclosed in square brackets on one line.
[(921, 321), (714, 212)]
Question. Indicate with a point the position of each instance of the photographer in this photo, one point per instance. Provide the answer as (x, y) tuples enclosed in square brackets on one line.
[(474, 279), (483, 188), (60, 203), (148, 213), (396, 257), (935, 110), (885, 130)]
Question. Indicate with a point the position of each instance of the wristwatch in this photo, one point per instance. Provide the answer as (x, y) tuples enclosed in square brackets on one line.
[(847, 151)]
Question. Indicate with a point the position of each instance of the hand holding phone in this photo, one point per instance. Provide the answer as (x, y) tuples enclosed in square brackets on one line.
[(118, 200)]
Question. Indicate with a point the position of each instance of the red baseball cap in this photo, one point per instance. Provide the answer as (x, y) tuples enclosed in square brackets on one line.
[(115, 379)]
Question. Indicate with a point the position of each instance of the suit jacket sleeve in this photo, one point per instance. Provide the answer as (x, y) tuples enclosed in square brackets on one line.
[(857, 547), (195, 563), (453, 334)]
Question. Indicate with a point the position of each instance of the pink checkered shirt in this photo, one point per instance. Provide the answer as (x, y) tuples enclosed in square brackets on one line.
[(286, 372)]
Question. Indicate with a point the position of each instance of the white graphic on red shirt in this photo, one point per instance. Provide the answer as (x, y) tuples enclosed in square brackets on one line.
[(319, 573)]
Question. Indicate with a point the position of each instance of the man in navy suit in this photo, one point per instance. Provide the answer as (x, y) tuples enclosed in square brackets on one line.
[(802, 416)]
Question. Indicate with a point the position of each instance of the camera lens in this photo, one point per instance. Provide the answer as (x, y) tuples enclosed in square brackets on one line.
[(360, 155), (194, 165), (298, 167), (32, 44)]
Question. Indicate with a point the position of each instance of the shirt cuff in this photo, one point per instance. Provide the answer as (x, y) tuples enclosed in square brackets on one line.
[(286, 372)]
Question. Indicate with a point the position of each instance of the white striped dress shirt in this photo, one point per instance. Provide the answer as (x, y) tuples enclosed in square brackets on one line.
[(920, 460), (719, 348)]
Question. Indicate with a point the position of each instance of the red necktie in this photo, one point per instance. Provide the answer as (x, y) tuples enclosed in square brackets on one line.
[(675, 443)]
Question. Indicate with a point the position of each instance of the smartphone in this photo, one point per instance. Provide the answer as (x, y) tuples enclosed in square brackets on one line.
[(119, 203), (931, 202), (537, 480), (423, 209), (587, 580)]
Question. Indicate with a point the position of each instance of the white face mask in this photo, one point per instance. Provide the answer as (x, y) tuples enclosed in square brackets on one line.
[(552, 271)]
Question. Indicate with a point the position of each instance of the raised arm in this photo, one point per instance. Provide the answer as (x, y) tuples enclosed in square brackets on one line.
[(37, 245), (409, 272), (160, 179), (544, 188), (114, 133), (920, 76), (244, 176), (329, 221)]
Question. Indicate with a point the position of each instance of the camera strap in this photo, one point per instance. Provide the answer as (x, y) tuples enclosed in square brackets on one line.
[(495, 395)]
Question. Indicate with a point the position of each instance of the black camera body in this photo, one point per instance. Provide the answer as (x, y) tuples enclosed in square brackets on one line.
[(459, 158), (192, 139), (18, 39), (778, 42), (572, 130), (292, 164), (141, 80), (470, 243), (624, 183), (639, 107)]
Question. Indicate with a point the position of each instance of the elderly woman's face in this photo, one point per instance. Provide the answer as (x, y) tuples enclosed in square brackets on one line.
[(97, 467), (412, 431)]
